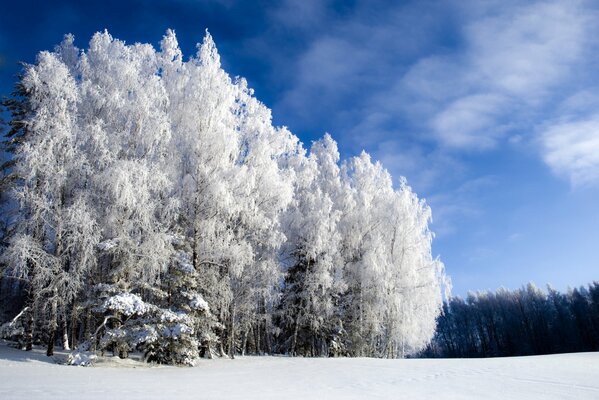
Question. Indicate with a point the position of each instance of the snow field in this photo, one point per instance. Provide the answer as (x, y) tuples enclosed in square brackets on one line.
[(31, 375)]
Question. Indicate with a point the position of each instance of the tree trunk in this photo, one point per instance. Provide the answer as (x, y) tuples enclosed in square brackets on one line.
[(361, 327), (244, 342), (52, 326), (74, 324), (50, 349), (232, 333), (267, 338), (257, 344), (28, 334), (294, 339), (65, 334), (87, 335)]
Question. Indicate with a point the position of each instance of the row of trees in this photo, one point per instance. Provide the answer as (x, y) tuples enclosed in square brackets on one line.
[(154, 207), (522, 322)]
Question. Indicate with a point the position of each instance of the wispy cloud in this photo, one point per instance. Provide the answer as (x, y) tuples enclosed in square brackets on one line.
[(348, 61), (301, 15), (515, 237), (452, 207), (442, 171), (470, 121), (526, 50), (467, 77), (512, 58), (571, 149)]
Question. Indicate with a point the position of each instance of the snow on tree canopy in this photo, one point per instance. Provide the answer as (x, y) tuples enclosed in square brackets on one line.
[(198, 303), (159, 189), (126, 303)]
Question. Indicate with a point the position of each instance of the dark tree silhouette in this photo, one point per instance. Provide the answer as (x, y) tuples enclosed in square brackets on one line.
[(525, 321)]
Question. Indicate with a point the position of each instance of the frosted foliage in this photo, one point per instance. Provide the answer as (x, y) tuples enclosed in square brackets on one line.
[(127, 304), (198, 303), (170, 54), (158, 189), (314, 280), (388, 249)]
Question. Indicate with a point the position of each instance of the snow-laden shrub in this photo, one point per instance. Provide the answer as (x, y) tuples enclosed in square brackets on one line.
[(164, 336), (14, 329), (11, 330), (81, 359), (173, 340)]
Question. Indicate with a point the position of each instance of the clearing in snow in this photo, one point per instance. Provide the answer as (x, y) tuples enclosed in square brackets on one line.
[(32, 375)]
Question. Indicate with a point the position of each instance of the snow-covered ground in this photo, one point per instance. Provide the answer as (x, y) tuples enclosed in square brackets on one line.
[(31, 375)]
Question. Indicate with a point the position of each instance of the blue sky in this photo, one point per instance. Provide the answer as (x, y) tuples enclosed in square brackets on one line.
[(490, 109)]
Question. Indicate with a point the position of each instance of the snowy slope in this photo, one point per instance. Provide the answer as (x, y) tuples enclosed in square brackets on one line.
[(568, 376)]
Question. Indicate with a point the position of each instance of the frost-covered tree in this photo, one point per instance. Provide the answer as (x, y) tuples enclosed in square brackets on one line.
[(394, 286), (264, 191), (124, 112), (414, 281), (53, 244), (141, 178), (204, 149), (313, 284)]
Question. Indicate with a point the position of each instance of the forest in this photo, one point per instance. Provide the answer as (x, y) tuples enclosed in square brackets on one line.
[(527, 321), (149, 205)]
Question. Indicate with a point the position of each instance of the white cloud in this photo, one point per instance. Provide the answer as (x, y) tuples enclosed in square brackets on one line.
[(436, 78), (470, 121), (512, 60), (320, 74), (525, 50), (583, 102), (571, 149), (349, 64), (424, 168), (469, 76)]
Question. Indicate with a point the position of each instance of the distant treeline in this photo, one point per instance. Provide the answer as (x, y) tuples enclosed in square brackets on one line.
[(526, 321)]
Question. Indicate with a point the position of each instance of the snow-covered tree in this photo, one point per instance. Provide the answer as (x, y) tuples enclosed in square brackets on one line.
[(142, 178), (53, 244), (313, 283), (394, 286), (124, 112)]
